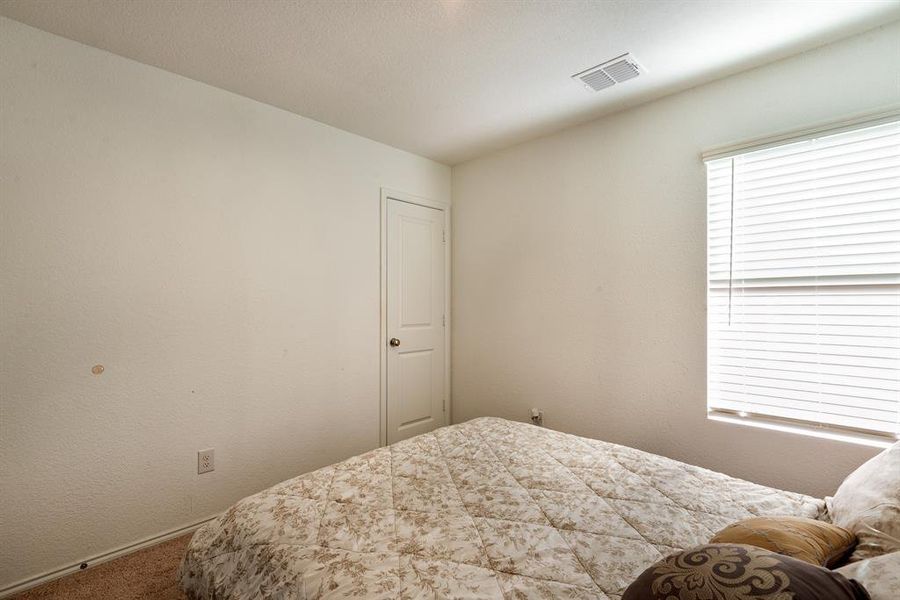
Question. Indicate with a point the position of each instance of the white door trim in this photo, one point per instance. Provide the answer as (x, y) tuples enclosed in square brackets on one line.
[(387, 193)]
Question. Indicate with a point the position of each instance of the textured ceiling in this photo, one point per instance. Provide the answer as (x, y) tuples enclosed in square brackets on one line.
[(450, 79)]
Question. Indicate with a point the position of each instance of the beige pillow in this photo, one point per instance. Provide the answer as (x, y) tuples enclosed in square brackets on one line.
[(868, 504), (880, 575), (812, 541)]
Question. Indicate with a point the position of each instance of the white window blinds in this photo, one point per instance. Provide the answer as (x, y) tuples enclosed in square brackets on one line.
[(804, 282)]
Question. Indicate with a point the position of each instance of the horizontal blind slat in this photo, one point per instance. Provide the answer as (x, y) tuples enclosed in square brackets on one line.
[(768, 395), (798, 192), (840, 177), (827, 244), (721, 210), (847, 401), (833, 208), (855, 394), (885, 344), (748, 404), (846, 157), (838, 141), (860, 227)]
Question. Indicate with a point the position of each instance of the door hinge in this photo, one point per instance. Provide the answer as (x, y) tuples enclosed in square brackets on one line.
[(444, 235), (444, 320)]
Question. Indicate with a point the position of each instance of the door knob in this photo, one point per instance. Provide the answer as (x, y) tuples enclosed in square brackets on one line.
[(394, 342)]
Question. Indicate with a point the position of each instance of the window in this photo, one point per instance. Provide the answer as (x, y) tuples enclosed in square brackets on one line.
[(804, 284)]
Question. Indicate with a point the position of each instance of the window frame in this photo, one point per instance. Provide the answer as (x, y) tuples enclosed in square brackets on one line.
[(821, 430)]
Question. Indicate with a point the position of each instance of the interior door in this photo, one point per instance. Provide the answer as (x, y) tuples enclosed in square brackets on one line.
[(415, 319)]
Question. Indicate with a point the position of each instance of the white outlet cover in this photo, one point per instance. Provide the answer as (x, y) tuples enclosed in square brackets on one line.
[(206, 461)]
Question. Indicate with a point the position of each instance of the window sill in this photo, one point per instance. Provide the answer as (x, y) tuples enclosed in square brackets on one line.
[(863, 439)]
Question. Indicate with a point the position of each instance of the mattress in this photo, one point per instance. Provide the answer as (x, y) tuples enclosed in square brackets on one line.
[(485, 509)]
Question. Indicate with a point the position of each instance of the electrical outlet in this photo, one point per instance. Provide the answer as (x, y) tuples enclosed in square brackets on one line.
[(206, 461)]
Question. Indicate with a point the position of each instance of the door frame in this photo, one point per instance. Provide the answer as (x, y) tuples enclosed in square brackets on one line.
[(390, 194)]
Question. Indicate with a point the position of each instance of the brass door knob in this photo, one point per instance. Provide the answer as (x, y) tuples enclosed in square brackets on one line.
[(394, 342)]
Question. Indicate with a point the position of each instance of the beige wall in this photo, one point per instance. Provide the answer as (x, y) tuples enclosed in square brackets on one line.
[(219, 257), (579, 267)]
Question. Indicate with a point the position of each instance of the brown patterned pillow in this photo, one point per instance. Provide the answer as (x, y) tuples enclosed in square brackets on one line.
[(740, 572), (815, 542)]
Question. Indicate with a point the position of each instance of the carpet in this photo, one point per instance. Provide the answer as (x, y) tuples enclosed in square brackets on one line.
[(148, 574)]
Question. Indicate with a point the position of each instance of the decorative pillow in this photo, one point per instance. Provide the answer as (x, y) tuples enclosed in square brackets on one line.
[(868, 504), (815, 542), (740, 572), (880, 575)]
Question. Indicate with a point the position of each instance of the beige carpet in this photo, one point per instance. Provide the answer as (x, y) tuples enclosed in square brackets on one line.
[(147, 574)]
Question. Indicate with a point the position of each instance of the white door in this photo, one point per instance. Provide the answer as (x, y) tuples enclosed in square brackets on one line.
[(415, 319)]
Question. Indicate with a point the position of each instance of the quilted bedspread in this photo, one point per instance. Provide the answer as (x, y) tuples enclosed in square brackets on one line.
[(485, 509)]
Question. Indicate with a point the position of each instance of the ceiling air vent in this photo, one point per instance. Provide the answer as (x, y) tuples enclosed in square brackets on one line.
[(622, 68)]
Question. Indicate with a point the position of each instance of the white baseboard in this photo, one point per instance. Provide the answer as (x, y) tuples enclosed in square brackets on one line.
[(24, 584)]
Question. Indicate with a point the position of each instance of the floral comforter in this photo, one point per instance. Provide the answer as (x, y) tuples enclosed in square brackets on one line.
[(486, 509)]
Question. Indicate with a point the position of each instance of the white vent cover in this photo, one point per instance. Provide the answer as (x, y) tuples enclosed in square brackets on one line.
[(622, 68)]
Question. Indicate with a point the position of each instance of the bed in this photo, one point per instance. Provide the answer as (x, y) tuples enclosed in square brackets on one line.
[(485, 509)]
